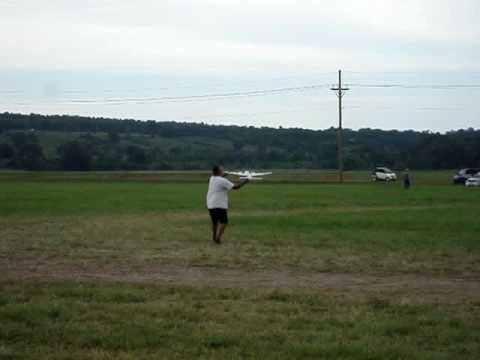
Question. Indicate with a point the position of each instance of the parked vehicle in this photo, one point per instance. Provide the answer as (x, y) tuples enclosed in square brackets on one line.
[(383, 174), (473, 181), (462, 175)]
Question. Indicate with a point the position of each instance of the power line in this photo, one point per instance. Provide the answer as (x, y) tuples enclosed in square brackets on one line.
[(202, 97), (264, 91), (242, 94), (419, 86)]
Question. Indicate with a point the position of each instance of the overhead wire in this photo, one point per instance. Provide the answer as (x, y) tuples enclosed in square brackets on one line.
[(247, 94), (190, 98)]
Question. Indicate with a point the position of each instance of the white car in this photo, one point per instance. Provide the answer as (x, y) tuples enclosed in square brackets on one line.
[(473, 181), (383, 174)]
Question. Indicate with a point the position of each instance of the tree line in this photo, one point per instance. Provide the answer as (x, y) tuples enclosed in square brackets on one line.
[(62, 142)]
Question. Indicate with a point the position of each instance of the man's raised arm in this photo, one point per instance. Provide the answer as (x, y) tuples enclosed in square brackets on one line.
[(240, 184)]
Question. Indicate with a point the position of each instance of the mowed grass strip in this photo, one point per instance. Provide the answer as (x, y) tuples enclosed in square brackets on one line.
[(125, 321), (354, 228), (74, 198)]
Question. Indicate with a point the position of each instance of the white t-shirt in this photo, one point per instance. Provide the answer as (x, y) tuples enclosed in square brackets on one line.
[(217, 195)]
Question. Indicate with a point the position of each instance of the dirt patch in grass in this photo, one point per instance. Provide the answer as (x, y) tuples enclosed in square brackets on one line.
[(405, 288)]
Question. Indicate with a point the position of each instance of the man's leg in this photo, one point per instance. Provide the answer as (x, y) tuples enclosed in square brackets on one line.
[(214, 217), (214, 231), (222, 224), (220, 231)]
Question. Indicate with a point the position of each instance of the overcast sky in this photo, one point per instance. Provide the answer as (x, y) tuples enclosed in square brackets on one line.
[(152, 59)]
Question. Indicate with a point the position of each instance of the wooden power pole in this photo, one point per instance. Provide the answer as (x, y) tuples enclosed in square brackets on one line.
[(339, 90)]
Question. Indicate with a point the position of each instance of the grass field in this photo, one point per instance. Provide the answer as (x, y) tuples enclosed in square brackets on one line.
[(121, 266)]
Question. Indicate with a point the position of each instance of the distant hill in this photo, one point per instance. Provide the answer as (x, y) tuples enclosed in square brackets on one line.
[(55, 142)]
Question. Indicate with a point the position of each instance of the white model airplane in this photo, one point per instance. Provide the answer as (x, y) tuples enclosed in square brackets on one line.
[(248, 175)]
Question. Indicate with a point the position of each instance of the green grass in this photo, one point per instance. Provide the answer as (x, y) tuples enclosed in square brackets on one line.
[(320, 227), (55, 226), (98, 321)]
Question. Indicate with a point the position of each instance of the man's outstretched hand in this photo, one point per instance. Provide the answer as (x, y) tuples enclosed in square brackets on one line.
[(240, 184)]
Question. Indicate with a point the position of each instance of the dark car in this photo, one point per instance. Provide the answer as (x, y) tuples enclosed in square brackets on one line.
[(462, 175)]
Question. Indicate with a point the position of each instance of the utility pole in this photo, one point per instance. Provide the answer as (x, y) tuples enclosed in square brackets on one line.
[(339, 91)]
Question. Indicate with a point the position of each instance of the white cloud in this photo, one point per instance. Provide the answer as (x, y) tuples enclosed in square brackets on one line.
[(239, 35)]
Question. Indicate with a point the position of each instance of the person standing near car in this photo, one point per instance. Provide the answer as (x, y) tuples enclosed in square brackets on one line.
[(217, 201), (406, 179)]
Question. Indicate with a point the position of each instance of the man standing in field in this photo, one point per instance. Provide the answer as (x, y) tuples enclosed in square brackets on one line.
[(406, 179), (217, 201)]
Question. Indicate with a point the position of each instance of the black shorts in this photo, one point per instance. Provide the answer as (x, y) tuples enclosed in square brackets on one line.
[(218, 216)]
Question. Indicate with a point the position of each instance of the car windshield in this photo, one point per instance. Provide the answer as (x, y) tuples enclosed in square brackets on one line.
[(469, 171)]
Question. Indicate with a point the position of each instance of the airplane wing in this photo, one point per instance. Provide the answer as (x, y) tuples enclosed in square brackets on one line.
[(261, 174), (250, 178), (235, 173)]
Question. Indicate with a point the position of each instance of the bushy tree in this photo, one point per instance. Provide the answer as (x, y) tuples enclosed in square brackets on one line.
[(30, 156), (74, 156), (7, 151), (7, 155)]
